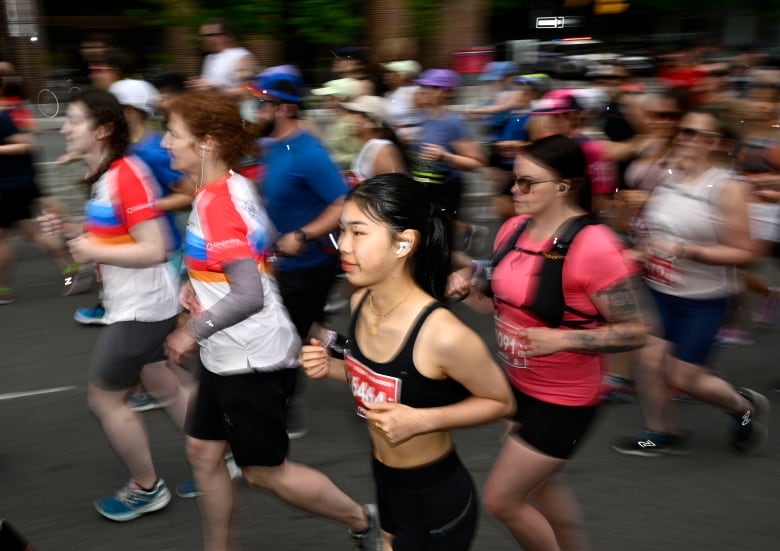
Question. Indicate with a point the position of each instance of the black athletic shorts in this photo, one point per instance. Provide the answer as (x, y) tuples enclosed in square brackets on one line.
[(552, 429), (431, 508), (247, 410)]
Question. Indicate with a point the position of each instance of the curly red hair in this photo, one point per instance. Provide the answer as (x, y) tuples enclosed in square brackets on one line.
[(215, 115)]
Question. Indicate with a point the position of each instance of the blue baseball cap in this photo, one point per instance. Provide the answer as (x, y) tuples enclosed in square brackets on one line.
[(281, 86)]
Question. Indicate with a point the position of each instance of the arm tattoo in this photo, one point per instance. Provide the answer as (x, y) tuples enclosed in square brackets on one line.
[(626, 326)]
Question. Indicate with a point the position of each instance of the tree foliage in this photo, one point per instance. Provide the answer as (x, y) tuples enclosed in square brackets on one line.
[(316, 21)]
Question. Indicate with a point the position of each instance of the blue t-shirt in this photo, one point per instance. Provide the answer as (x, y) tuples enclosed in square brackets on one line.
[(300, 181), (442, 179), (516, 128), (150, 150)]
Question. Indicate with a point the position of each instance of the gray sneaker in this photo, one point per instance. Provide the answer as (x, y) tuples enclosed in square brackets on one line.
[(371, 539), (752, 428)]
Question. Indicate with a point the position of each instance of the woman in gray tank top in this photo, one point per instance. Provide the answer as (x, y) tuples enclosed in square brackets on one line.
[(697, 235)]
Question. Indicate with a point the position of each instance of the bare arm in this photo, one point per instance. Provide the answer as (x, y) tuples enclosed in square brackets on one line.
[(18, 144), (467, 156), (326, 222), (447, 347), (147, 248), (736, 247), (626, 328), (389, 160)]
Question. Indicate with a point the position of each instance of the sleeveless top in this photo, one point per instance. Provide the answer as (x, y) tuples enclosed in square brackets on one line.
[(363, 165), (689, 213), (398, 379)]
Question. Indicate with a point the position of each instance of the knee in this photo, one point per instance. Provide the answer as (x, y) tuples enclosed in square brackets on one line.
[(101, 402), (203, 455), (259, 477), (497, 503)]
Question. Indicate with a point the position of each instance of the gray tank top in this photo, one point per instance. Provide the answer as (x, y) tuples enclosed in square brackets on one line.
[(690, 213)]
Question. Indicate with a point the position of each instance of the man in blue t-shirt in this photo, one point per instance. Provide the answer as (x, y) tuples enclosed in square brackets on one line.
[(304, 193)]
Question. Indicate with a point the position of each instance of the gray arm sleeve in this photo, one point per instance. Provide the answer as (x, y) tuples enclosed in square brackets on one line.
[(244, 299)]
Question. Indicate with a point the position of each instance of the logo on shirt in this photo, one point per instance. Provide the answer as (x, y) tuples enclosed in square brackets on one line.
[(136, 208), (226, 244)]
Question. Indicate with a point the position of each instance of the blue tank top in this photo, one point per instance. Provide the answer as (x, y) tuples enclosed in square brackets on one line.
[(398, 380)]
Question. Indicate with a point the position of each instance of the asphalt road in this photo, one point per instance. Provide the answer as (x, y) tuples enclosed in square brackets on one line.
[(54, 460)]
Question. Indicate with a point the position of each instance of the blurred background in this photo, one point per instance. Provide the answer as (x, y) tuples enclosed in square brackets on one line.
[(50, 42)]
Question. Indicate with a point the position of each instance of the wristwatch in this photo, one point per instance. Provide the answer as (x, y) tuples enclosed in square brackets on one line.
[(301, 236)]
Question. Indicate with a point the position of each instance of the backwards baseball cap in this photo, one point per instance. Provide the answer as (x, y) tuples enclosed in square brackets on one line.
[(373, 107), (342, 88), (406, 67), (439, 78), (136, 93), (556, 102), (284, 87)]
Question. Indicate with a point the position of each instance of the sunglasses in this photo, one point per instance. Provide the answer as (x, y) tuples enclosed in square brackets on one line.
[(259, 103), (524, 184), (666, 115), (691, 133), (206, 35)]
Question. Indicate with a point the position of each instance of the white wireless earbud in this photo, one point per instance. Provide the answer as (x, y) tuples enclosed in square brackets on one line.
[(203, 147), (402, 246)]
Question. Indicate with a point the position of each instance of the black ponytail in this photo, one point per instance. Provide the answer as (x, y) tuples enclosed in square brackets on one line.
[(401, 203)]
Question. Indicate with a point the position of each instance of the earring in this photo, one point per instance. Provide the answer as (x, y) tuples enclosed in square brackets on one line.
[(563, 187)]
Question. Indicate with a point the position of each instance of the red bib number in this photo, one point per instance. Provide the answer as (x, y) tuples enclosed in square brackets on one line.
[(511, 343), (369, 386), (661, 270)]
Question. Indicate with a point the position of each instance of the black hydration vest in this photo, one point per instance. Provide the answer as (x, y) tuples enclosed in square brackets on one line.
[(548, 304)]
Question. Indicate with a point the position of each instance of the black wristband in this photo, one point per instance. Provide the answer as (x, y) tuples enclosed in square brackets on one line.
[(301, 236)]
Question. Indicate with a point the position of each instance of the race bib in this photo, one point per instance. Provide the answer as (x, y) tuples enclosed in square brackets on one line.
[(351, 179), (368, 386), (661, 270), (511, 343)]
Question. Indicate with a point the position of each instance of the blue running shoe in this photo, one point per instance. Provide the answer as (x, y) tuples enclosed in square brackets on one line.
[(131, 502), (143, 401), (91, 316), (187, 489)]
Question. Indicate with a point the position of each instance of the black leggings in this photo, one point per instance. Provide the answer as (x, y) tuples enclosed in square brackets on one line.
[(430, 508)]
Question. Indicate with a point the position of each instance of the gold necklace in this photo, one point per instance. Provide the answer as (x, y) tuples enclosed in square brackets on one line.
[(372, 328)]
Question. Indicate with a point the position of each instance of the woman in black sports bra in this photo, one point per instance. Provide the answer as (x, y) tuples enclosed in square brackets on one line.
[(415, 370)]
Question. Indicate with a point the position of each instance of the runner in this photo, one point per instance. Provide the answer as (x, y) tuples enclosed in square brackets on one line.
[(126, 237), (551, 329), (249, 345), (416, 371)]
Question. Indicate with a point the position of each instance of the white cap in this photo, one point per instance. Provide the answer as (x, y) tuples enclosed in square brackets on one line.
[(373, 107), (136, 93), (343, 88), (407, 67)]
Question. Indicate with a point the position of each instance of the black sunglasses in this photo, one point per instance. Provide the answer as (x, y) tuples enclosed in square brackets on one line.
[(666, 115), (691, 133)]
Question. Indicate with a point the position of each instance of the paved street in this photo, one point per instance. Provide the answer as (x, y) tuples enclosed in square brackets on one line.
[(54, 460)]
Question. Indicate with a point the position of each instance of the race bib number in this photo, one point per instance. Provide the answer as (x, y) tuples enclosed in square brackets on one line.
[(511, 343), (661, 270), (351, 179), (368, 386)]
